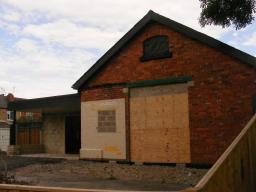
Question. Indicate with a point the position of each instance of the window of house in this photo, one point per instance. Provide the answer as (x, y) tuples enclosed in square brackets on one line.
[(107, 121), (10, 115), (156, 47)]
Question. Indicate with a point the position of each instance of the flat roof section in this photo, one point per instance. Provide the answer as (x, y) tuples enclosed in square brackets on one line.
[(55, 104)]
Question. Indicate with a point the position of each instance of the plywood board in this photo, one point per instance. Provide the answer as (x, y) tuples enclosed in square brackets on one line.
[(159, 123)]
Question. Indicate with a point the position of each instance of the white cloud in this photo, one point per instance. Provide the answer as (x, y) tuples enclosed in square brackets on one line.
[(26, 46), (251, 41), (37, 71), (11, 16), (113, 14), (72, 35), (9, 27)]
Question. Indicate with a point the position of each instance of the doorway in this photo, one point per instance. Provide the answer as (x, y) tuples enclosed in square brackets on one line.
[(73, 134)]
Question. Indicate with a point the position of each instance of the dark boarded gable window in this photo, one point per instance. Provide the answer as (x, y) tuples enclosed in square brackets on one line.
[(107, 121), (156, 47), (254, 104)]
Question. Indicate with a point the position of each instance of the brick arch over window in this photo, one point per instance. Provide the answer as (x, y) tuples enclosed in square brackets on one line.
[(156, 47)]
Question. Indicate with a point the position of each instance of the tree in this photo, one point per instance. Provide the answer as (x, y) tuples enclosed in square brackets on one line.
[(240, 13)]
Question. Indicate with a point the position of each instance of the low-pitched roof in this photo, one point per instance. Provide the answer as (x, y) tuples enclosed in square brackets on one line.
[(154, 17)]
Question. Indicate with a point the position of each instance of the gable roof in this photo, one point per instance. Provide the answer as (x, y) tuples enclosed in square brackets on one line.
[(154, 17)]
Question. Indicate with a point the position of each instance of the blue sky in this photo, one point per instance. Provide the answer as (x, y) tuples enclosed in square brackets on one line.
[(47, 45)]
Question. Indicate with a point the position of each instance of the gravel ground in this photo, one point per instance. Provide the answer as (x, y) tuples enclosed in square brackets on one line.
[(14, 162), (99, 175)]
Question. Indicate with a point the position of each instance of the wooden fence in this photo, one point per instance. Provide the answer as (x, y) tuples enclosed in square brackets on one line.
[(28, 133)]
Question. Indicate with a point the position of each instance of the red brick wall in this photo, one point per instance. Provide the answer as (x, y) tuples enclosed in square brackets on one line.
[(220, 102), (37, 116), (3, 115), (21, 115), (102, 93)]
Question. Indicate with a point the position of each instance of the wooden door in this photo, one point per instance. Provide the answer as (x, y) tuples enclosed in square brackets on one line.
[(159, 124)]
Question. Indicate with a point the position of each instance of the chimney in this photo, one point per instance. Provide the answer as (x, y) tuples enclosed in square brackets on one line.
[(10, 97)]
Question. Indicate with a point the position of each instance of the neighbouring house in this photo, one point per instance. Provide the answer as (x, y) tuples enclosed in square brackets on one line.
[(7, 117), (4, 124), (6, 120), (165, 93), (56, 132)]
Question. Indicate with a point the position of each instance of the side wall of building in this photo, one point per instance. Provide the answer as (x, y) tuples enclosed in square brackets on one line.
[(103, 144), (95, 144)]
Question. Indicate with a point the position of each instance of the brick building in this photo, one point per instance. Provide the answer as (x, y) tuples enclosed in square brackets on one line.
[(165, 93), (3, 111), (4, 123), (7, 119)]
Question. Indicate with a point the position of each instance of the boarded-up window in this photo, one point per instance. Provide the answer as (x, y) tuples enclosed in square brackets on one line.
[(107, 121), (156, 47)]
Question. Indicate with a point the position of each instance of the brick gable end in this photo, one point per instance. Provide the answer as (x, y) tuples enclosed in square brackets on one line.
[(220, 102)]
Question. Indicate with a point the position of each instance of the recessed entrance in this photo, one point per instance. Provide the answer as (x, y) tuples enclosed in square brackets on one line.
[(73, 134)]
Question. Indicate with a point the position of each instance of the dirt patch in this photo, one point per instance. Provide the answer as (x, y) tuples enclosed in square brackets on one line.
[(98, 175)]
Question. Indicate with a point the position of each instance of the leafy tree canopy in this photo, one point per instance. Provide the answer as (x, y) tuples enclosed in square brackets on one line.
[(240, 13)]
